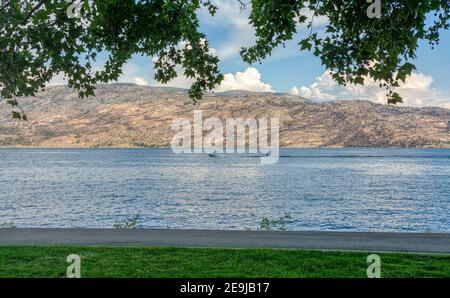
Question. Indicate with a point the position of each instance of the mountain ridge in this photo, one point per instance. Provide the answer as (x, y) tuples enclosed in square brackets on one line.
[(128, 115)]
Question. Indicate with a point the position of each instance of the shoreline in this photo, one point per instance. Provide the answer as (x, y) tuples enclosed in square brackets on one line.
[(281, 148)]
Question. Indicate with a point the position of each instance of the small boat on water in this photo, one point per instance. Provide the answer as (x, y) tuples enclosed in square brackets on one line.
[(238, 154)]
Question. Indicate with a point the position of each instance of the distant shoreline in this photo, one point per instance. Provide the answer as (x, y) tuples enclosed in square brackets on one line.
[(102, 148)]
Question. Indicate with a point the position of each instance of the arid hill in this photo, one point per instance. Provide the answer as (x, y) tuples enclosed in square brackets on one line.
[(126, 115)]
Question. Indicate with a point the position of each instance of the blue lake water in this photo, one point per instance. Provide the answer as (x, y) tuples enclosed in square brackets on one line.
[(323, 189)]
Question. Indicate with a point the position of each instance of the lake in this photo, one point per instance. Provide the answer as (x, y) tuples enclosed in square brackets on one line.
[(402, 190)]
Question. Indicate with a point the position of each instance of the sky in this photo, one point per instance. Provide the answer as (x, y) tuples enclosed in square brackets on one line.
[(300, 73)]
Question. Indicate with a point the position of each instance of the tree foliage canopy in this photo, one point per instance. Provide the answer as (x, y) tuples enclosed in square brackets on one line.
[(39, 39)]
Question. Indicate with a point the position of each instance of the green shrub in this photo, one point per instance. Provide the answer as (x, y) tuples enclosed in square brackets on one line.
[(279, 224), (129, 224)]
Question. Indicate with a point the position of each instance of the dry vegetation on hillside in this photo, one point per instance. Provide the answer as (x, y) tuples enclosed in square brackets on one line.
[(125, 115)]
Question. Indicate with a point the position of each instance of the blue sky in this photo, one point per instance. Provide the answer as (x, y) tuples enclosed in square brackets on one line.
[(300, 73), (290, 67)]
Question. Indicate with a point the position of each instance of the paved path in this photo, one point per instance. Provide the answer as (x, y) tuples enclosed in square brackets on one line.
[(432, 243)]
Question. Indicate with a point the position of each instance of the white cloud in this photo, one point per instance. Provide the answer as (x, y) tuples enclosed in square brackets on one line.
[(140, 81), (139, 72), (417, 91), (319, 90), (59, 79), (180, 81), (446, 105), (239, 33), (249, 80), (319, 22), (129, 72)]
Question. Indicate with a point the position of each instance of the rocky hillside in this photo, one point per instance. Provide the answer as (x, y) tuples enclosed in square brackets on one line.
[(125, 115)]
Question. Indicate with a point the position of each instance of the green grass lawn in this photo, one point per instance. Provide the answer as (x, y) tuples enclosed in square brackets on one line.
[(203, 263)]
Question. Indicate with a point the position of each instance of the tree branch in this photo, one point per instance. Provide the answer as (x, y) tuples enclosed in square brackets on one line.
[(4, 5), (36, 7), (243, 5), (313, 16)]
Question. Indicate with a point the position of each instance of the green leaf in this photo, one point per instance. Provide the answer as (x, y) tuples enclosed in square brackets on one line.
[(394, 98), (12, 103), (305, 45), (48, 43), (16, 115), (359, 80)]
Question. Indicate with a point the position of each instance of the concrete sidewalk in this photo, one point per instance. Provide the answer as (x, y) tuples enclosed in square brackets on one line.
[(375, 242)]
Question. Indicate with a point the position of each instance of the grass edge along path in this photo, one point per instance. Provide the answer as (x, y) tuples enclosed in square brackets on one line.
[(160, 262)]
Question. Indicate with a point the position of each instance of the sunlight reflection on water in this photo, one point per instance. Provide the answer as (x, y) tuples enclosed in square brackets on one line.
[(323, 189)]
